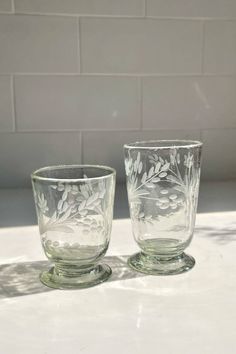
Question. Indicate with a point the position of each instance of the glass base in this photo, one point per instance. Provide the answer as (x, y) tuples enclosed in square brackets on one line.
[(60, 278), (152, 265)]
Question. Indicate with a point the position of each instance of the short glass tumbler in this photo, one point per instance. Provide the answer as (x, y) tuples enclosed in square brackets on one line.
[(75, 208), (162, 183)]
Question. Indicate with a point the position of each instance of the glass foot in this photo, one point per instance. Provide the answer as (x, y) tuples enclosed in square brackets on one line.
[(152, 265), (60, 279)]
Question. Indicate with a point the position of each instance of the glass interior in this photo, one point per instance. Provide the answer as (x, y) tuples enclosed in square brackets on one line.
[(73, 172)]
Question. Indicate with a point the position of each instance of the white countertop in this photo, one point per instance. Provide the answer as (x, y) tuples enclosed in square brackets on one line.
[(194, 312), (132, 313)]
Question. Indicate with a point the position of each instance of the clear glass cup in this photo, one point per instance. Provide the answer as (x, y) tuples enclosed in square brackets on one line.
[(74, 206), (162, 183)]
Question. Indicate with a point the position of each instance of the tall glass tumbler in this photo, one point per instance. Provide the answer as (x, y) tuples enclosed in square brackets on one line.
[(162, 183), (75, 208)]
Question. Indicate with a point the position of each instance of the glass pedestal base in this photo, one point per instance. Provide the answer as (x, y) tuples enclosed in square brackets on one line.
[(152, 265), (59, 278)]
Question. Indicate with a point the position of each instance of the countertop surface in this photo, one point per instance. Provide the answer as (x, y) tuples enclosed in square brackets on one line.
[(194, 312)]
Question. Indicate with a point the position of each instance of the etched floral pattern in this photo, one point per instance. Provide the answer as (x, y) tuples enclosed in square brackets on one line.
[(169, 182), (42, 203), (75, 205)]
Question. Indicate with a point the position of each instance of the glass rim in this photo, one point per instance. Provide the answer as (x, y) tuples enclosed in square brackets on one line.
[(168, 144), (104, 168)]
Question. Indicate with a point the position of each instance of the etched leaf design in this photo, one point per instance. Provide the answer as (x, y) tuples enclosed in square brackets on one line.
[(142, 192), (101, 186), (166, 166), (42, 203), (82, 205), (97, 202), (143, 180), (150, 185), (138, 157), (89, 197), (148, 217), (84, 212), (65, 206), (161, 160), (186, 180), (60, 204), (178, 188), (64, 195), (54, 217), (172, 159), (140, 167), (169, 169), (155, 179), (92, 198), (60, 187), (157, 168), (127, 167), (80, 198), (155, 157), (162, 174), (178, 158), (84, 191), (151, 172), (74, 189), (102, 193), (65, 215), (172, 178)]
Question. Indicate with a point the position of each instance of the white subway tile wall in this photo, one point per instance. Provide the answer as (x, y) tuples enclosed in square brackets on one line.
[(219, 160), (22, 153), (38, 44), (91, 7), (6, 104), (77, 102), (140, 46), (191, 8), (220, 47), (192, 102), (79, 78), (5, 6)]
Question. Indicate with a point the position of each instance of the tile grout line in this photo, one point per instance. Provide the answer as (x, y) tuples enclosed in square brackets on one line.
[(116, 16), (203, 46), (120, 75), (140, 89), (78, 45), (13, 104), (145, 8), (148, 130), (81, 147), (13, 6)]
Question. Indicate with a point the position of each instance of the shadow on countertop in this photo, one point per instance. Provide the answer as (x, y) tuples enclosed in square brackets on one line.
[(220, 235), (19, 279)]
